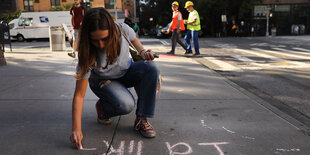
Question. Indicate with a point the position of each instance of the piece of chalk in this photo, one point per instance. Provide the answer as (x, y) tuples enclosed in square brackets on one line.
[(88, 149)]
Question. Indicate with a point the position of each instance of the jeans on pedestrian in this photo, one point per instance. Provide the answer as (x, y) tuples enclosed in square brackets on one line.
[(192, 35), (116, 99), (175, 38)]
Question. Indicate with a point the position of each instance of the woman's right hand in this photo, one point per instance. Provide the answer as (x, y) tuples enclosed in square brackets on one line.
[(76, 138)]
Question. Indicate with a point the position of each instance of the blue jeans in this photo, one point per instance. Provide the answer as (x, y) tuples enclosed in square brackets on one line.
[(116, 99), (192, 35)]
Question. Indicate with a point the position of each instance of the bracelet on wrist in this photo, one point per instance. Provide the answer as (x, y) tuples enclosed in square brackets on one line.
[(141, 51)]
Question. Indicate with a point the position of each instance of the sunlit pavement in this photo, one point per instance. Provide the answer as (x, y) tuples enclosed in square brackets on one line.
[(198, 112)]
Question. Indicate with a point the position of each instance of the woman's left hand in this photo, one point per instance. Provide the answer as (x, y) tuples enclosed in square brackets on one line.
[(147, 55)]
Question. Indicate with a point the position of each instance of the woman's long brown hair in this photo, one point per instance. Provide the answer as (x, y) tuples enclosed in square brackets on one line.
[(97, 19)]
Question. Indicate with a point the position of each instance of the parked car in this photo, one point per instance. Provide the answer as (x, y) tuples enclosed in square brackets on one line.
[(161, 32)]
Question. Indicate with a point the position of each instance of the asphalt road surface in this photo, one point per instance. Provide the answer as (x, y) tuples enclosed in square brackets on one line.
[(199, 112)]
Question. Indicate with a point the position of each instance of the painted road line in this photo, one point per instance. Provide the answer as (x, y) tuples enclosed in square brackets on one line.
[(243, 59), (154, 40), (164, 42), (222, 66), (148, 40), (266, 45), (225, 45), (252, 64), (298, 53), (258, 52), (283, 61), (301, 49), (281, 53)]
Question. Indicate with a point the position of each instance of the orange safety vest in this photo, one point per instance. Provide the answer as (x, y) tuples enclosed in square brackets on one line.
[(175, 22)]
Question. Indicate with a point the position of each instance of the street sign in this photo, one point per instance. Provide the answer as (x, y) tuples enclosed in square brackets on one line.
[(224, 19), (112, 3), (260, 10)]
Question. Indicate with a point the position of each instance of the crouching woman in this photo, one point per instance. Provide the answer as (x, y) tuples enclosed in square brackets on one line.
[(105, 64)]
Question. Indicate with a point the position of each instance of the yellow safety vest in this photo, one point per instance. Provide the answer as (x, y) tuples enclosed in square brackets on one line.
[(195, 26)]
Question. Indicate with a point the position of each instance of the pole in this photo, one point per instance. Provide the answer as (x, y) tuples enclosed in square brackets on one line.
[(115, 7), (134, 9), (267, 21)]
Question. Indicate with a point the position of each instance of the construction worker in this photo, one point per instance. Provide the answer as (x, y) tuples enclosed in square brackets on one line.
[(193, 26), (176, 26)]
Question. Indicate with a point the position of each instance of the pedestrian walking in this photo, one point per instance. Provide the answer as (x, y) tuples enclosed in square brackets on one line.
[(128, 21), (136, 28), (104, 63), (176, 26), (193, 26), (235, 29), (77, 13), (252, 31)]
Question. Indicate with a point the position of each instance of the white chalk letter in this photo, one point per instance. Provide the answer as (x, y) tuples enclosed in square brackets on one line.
[(216, 146), (171, 152), (119, 151), (139, 152), (131, 146)]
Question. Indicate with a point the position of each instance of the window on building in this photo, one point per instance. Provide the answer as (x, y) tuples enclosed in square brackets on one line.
[(28, 5), (37, 1), (55, 3), (109, 4), (64, 0)]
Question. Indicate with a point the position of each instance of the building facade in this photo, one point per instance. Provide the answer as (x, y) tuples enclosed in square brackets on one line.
[(284, 16), (126, 6)]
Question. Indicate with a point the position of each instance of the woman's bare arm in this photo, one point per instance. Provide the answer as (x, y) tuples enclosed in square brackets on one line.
[(77, 109)]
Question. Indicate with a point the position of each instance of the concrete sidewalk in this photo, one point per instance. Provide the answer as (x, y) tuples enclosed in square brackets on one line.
[(199, 112)]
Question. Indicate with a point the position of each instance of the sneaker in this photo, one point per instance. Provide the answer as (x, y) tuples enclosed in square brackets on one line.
[(172, 53), (145, 128), (196, 54), (72, 54), (100, 118), (188, 52)]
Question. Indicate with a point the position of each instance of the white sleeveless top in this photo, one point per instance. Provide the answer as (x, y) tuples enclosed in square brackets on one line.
[(123, 62)]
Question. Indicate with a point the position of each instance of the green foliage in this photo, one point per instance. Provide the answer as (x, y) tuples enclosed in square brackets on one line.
[(11, 16), (64, 7), (57, 8), (67, 7)]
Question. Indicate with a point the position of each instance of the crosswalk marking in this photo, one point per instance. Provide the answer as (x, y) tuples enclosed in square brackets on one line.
[(254, 65), (243, 59), (301, 49), (276, 56), (143, 40), (164, 42), (281, 53), (148, 40), (300, 64), (223, 66), (258, 54), (289, 51)]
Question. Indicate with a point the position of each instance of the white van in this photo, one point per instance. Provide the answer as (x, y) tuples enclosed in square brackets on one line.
[(35, 25)]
